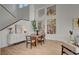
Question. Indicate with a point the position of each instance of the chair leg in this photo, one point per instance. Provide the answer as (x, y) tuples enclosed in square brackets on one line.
[(35, 43), (31, 45), (26, 44), (41, 42), (44, 40)]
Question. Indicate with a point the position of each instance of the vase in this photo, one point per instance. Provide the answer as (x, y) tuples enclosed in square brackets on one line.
[(72, 39)]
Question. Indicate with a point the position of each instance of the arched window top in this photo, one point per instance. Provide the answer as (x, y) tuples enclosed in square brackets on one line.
[(23, 5)]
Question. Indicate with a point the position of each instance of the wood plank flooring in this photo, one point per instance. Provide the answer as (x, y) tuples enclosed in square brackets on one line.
[(50, 47), (0, 51)]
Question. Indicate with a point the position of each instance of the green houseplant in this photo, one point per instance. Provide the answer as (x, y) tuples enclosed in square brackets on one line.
[(34, 24)]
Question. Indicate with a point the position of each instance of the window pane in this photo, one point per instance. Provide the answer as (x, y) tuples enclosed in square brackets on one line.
[(21, 6)]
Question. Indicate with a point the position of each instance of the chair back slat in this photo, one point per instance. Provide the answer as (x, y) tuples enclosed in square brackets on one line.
[(28, 38)]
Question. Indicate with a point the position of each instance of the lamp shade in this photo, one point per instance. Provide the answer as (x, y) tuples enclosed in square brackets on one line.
[(24, 30)]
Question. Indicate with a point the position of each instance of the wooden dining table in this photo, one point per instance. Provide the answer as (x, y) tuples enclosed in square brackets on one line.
[(37, 37)]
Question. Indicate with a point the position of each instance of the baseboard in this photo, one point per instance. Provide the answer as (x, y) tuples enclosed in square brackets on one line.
[(14, 44), (0, 51), (17, 43)]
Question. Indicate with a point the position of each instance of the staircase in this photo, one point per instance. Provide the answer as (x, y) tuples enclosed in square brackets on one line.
[(7, 16)]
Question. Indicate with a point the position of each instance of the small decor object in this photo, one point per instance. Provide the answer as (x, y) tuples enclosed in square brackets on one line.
[(25, 31), (71, 32), (37, 31)]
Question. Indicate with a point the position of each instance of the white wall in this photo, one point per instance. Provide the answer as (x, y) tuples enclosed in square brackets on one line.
[(64, 17), (5, 18), (0, 40), (12, 8), (19, 13), (23, 13), (14, 37)]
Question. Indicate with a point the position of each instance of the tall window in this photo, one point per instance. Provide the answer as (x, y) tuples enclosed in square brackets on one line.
[(23, 5)]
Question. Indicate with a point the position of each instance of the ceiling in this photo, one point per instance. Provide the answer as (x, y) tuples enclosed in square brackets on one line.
[(14, 14), (6, 18)]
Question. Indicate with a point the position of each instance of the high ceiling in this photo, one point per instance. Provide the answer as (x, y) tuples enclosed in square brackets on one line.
[(17, 13), (37, 6), (5, 18), (12, 15)]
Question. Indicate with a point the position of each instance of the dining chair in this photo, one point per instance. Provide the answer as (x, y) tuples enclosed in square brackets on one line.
[(40, 39), (30, 40), (43, 38)]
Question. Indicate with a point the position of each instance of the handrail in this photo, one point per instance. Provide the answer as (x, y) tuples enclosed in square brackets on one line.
[(11, 15), (7, 10), (13, 23)]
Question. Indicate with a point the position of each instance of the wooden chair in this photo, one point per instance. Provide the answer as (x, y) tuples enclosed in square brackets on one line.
[(41, 39), (30, 40)]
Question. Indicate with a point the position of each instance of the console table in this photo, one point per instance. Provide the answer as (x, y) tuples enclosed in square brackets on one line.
[(69, 48)]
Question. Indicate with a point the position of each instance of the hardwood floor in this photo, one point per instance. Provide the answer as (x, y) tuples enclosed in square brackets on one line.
[(0, 51), (50, 47)]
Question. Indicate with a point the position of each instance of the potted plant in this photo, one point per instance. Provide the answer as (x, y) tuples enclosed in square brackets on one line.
[(34, 24)]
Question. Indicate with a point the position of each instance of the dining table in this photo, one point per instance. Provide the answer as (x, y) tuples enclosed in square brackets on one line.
[(37, 37)]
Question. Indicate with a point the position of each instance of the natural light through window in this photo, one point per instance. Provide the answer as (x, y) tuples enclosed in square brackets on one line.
[(23, 5)]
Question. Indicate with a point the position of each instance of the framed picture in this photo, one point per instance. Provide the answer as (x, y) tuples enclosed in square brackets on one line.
[(51, 10), (51, 21), (76, 23), (51, 26)]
